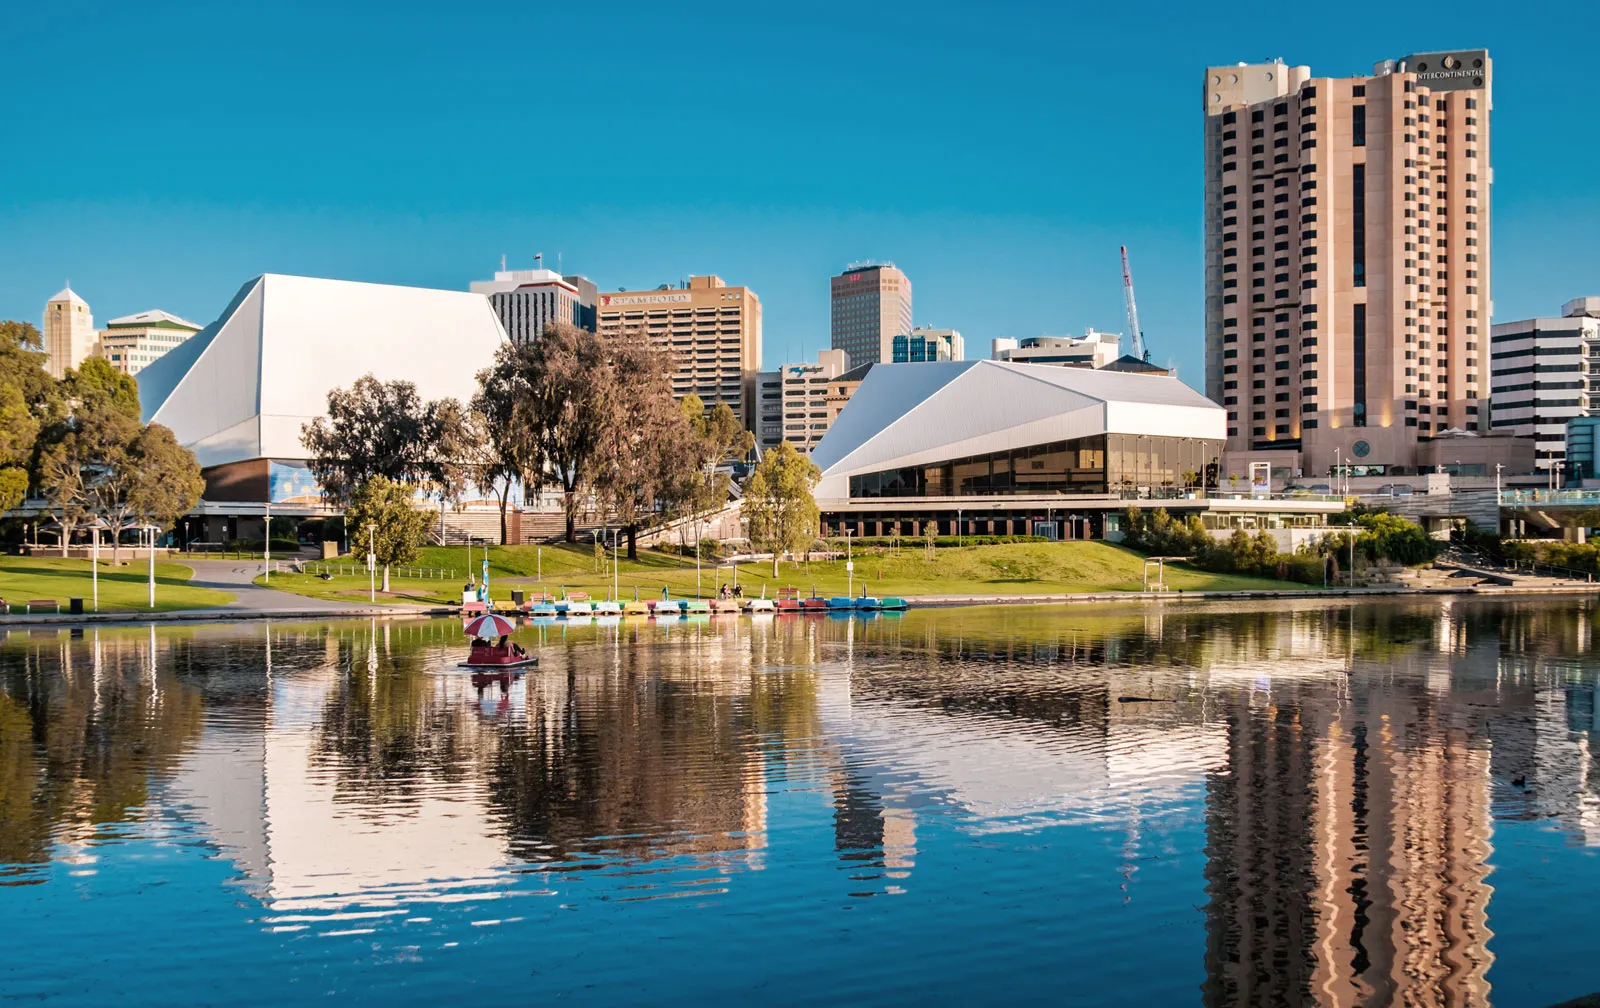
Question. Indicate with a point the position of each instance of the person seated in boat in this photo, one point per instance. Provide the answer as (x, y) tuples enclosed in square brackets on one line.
[(517, 651), (738, 591)]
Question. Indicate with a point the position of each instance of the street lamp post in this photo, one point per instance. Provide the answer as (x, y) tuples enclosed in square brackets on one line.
[(372, 564), (94, 558), (1498, 522), (849, 566), (151, 531), (266, 542)]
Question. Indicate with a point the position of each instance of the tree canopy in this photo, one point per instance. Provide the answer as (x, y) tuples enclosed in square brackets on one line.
[(372, 429), (398, 527), (778, 502)]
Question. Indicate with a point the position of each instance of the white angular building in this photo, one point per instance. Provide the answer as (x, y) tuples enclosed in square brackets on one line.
[(991, 447), (238, 392)]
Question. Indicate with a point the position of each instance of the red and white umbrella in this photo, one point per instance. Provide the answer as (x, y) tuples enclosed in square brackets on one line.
[(489, 626)]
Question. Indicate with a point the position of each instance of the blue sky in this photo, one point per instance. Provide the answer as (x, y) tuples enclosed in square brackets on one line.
[(161, 154)]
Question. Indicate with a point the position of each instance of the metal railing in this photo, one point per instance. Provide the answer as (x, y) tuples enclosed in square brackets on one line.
[(1581, 498), (335, 569)]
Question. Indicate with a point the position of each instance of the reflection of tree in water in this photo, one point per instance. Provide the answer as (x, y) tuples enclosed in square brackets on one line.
[(386, 729), (85, 729), (649, 751)]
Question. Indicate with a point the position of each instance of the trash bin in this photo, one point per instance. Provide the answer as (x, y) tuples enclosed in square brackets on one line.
[(517, 597), (75, 606)]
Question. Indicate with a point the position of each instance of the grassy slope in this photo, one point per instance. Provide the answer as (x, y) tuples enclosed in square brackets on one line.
[(1011, 569), (24, 578)]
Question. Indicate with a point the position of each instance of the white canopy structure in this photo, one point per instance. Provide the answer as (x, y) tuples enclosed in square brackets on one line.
[(241, 388), (921, 414)]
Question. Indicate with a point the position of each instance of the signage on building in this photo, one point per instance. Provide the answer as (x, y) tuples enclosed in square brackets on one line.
[(606, 300)]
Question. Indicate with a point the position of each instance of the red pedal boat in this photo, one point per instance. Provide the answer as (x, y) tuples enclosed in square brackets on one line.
[(501, 654)]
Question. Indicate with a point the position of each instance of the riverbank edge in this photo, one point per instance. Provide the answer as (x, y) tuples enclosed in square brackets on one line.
[(916, 602)]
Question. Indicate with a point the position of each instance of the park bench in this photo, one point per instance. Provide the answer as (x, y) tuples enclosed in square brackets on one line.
[(41, 603)]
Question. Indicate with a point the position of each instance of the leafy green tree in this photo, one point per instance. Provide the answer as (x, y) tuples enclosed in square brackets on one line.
[(646, 447), (29, 400), (778, 502), (372, 429), (95, 382), (84, 464), (167, 480), (398, 528)]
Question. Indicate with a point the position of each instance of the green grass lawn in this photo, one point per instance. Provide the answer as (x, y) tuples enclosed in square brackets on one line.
[(1009, 569), (121, 588)]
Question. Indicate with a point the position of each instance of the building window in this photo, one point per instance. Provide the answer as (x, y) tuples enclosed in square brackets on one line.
[(1358, 125), (1358, 330)]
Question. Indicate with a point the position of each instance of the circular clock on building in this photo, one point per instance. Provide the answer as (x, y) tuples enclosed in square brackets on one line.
[(1360, 449)]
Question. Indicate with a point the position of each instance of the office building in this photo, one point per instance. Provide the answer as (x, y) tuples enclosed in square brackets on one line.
[(528, 300), (69, 333), (712, 330), (1583, 449), (1542, 369), (131, 343), (870, 304), (1091, 350), (920, 345), (808, 403), (1347, 257)]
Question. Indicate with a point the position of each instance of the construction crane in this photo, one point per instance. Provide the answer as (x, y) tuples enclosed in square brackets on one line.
[(1139, 352)]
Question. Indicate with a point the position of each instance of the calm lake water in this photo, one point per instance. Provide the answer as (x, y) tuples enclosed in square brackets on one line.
[(1214, 805)]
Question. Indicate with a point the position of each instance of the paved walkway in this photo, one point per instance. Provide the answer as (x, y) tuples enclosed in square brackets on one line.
[(238, 576)]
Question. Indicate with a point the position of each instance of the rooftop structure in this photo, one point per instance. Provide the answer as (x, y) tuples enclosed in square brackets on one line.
[(1091, 350)]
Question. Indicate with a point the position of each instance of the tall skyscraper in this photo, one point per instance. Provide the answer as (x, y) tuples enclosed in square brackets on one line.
[(871, 303), (69, 333), (712, 330), (1347, 258), (529, 300)]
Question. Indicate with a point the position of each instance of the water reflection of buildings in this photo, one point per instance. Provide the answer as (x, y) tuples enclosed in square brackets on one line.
[(367, 783)]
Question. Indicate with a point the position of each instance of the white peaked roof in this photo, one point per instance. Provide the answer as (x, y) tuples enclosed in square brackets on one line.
[(68, 294), (242, 387), (920, 414), (152, 317)]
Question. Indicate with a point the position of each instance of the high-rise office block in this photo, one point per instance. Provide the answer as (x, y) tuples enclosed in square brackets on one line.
[(529, 300), (922, 344), (712, 330), (132, 342), (69, 333), (1347, 257), (808, 399), (1542, 370), (869, 305)]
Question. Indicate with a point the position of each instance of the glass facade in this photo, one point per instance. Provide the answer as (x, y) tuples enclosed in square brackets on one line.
[(1099, 464)]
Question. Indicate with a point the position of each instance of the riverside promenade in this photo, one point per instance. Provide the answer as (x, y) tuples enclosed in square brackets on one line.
[(255, 602)]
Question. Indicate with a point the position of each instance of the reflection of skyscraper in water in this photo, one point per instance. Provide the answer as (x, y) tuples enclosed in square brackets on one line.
[(1347, 854)]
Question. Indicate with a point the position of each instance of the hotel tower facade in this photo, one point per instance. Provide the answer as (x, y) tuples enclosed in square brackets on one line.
[(1347, 258)]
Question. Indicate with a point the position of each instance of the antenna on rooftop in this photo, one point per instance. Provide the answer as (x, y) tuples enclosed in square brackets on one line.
[(502, 262), (538, 260)]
